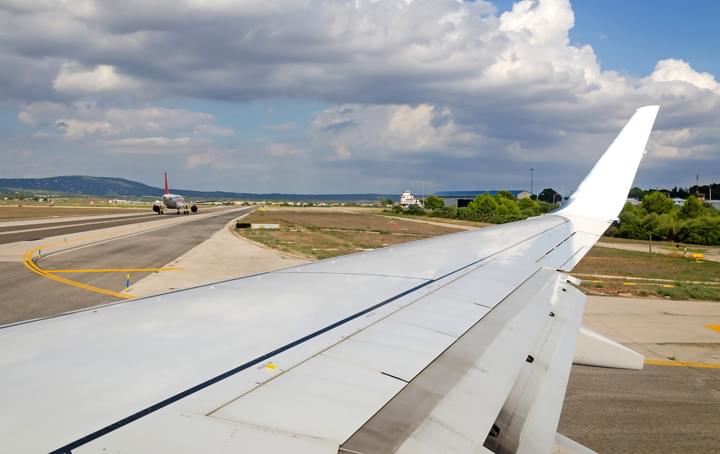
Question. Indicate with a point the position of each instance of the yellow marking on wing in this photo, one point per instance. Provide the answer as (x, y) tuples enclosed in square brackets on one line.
[(695, 364), (713, 327), (32, 266), (111, 270)]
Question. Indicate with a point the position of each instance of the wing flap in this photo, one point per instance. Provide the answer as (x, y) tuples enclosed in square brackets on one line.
[(451, 405), (530, 415)]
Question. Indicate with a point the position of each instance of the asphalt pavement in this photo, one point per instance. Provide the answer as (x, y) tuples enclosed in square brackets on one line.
[(655, 410), (27, 295), (34, 231)]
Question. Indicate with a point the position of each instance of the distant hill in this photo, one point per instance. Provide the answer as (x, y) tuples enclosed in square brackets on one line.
[(120, 187)]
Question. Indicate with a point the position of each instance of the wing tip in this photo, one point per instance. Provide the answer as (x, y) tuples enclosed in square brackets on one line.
[(603, 192)]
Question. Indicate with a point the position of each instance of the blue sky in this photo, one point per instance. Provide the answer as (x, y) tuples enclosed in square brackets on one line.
[(633, 35), (334, 97)]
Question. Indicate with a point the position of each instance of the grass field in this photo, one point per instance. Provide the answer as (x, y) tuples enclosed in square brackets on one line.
[(669, 245), (324, 234), (619, 262), (41, 212), (677, 277)]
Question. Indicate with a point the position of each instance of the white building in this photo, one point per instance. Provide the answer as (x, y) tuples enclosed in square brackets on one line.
[(408, 199)]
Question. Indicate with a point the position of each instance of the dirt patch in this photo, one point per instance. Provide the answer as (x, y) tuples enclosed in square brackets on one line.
[(323, 234)]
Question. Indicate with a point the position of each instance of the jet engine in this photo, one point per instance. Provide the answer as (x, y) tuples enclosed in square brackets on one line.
[(157, 207), (193, 208)]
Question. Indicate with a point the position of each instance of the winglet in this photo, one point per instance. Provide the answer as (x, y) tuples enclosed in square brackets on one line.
[(603, 192), (167, 191)]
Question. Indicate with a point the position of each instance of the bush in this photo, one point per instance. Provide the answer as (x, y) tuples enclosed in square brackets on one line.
[(702, 230), (483, 208), (676, 225), (434, 202), (445, 212), (692, 208), (529, 207), (657, 202)]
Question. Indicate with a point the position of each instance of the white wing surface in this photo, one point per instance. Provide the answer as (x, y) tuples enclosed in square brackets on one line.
[(461, 343)]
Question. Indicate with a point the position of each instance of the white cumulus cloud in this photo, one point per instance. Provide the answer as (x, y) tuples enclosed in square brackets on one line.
[(450, 85)]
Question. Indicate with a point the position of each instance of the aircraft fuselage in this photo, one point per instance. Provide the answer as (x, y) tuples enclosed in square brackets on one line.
[(173, 202)]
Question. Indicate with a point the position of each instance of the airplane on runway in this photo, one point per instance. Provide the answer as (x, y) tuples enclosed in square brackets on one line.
[(461, 343), (173, 202)]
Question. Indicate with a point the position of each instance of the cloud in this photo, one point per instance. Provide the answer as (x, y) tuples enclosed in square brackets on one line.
[(435, 86), (366, 131), (152, 142), (213, 130), (220, 159), (672, 70), (75, 79), (41, 113), (77, 128), (82, 118)]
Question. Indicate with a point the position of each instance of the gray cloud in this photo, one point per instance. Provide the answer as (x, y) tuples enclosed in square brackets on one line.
[(437, 87)]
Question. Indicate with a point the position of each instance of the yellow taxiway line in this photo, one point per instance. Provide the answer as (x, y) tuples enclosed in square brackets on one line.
[(695, 364), (111, 270), (32, 266)]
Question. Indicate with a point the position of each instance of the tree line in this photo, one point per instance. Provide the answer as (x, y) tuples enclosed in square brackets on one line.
[(495, 209), (706, 190), (658, 218), (655, 217)]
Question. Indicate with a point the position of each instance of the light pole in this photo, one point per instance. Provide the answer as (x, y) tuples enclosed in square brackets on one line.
[(531, 181)]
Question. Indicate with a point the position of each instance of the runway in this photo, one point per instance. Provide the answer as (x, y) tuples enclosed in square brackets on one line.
[(38, 230), (27, 295)]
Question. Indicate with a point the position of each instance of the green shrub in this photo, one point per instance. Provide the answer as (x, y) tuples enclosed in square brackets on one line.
[(434, 202), (692, 208), (657, 202), (702, 230)]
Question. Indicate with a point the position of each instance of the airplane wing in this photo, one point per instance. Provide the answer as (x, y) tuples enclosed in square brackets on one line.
[(461, 343)]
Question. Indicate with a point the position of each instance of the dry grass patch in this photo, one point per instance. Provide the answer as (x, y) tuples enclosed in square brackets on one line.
[(329, 234)]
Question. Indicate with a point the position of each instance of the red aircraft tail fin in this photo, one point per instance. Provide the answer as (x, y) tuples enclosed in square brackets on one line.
[(167, 191)]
